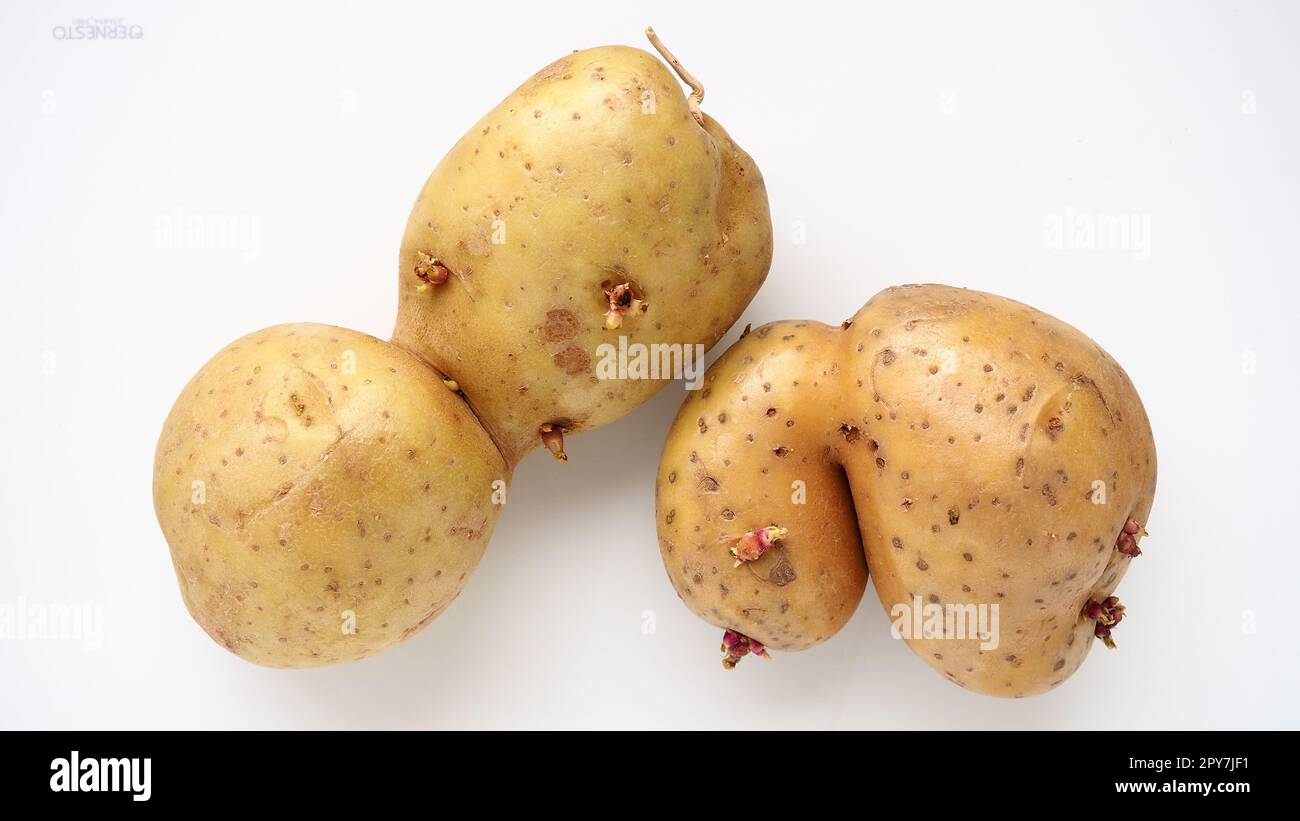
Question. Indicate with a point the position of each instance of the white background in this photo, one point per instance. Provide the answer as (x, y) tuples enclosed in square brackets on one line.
[(913, 142)]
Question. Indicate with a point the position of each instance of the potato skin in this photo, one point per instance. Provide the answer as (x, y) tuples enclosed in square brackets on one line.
[(330, 495), (297, 495), (994, 420), (729, 466), (971, 429), (584, 183)]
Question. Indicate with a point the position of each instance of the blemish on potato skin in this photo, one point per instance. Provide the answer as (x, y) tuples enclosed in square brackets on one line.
[(1054, 427), (561, 325), (782, 572), (572, 360)]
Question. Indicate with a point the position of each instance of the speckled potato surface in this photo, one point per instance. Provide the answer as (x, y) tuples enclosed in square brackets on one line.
[(592, 174), (323, 493), (730, 465), (992, 455), (326, 494)]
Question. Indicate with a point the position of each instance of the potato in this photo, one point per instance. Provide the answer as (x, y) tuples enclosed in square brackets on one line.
[(738, 461), (997, 461), (324, 495), (593, 180)]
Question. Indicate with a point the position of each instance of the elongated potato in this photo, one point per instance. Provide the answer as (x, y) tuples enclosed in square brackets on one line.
[(737, 462), (1000, 466)]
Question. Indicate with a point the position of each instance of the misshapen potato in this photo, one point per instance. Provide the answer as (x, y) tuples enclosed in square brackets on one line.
[(593, 202), (323, 493), (736, 462), (994, 456), (326, 494)]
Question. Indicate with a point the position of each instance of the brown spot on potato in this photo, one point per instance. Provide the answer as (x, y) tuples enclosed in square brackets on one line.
[(1054, 427), (782, 572), (561, 324), (477, 242), (572, 360)]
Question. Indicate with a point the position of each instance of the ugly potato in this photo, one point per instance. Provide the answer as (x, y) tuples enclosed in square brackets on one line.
[(323, 493), (318, 513), (995, 456), (737, 463), (596, 201)]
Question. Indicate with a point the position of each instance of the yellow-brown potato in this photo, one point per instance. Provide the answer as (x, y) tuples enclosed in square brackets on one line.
[(995, 457), (326, 494), (323, 493), (737, 461), (591, 175)]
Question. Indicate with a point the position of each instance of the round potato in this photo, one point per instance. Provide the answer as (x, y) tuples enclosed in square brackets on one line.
[(324, 494)]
